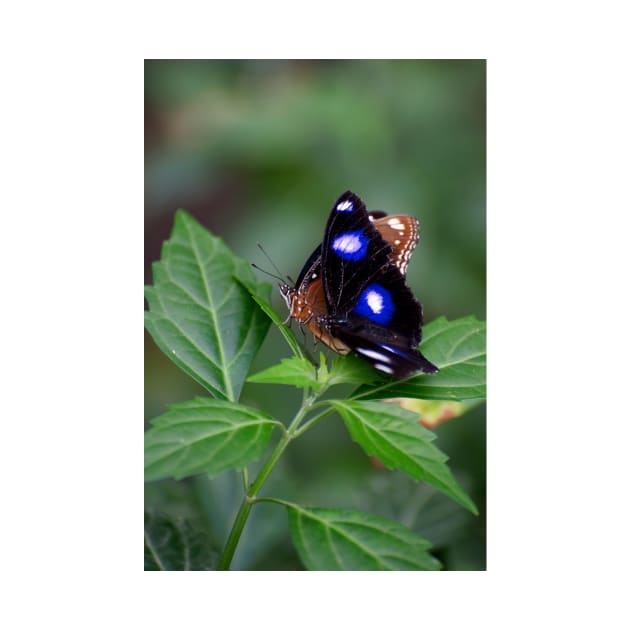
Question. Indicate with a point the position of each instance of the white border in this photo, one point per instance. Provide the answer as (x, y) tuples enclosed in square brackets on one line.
[(72, 254)]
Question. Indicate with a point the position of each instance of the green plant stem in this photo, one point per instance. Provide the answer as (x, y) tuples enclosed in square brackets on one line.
[(250, 496), (273, 500), (312, 421), (246, 505)]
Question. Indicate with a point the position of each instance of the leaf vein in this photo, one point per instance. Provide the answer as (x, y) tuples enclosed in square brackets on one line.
[(227, 382), (153, 550), (342, 534)]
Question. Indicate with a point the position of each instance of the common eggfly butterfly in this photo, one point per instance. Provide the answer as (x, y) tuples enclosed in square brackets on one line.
[(351, 293)]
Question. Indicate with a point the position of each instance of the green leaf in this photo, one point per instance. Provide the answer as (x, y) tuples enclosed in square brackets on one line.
[(174, 545), (322, 370), (352, 369), (458, 348), (393, 434), (200, 315), (418, 506), (293, 371), (344, 540), (205, 435), (286, 332)]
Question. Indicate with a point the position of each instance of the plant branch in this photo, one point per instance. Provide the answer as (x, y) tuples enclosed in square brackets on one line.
[(250, 496), (307, 425), (273, 500)]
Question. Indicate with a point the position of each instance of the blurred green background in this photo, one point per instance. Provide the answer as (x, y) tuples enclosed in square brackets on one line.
[(258, 151)]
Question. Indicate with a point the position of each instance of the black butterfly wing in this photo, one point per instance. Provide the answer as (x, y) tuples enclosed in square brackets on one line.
[(370, 308), (390, 228), (399, 361), (352, 252), (310, 266), (384, 326)]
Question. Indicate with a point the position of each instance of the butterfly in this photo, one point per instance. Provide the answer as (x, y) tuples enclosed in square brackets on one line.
[(351, 293)]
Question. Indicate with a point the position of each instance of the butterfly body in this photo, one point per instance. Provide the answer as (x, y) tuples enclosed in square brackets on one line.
[(351, 293), (307, 303)]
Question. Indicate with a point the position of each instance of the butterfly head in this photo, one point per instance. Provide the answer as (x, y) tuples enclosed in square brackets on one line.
[(288, 294)]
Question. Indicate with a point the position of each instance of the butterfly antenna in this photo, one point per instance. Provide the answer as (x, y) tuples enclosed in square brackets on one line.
[(273, 264), (272, 275)]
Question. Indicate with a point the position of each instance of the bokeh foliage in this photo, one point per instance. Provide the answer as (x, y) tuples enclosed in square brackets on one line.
[(258, 151)]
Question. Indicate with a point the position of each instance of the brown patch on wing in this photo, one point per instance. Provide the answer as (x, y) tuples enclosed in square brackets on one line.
[(402, 234), (309, 304), (317, 308)]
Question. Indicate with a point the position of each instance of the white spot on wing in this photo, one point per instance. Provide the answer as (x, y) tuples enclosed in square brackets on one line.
[(347, 244), (377, 356), (384, 368), (375, 301), (344, 206)]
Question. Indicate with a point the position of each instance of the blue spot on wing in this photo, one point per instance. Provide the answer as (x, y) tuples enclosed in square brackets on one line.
[(350, 245), (375, 303)]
